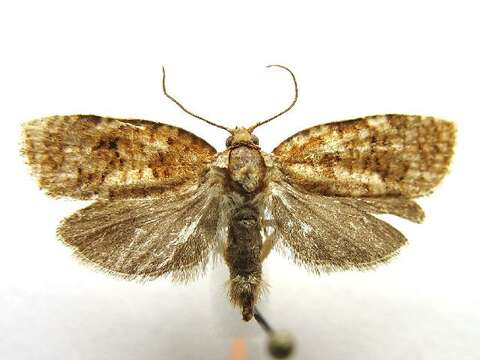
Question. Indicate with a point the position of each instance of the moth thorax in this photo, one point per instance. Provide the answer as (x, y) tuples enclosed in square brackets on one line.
[(247, 168), (242, 255)]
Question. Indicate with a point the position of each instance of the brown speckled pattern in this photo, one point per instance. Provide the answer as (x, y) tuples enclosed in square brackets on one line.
[(87, 156), (399, 155)]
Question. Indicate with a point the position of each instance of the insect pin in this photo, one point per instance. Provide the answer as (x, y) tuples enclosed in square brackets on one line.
[(166, 202)]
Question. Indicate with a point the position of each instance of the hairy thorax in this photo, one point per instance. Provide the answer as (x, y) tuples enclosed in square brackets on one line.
[(246, 168)]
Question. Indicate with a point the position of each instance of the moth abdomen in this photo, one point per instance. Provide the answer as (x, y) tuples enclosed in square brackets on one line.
[(242, 255)]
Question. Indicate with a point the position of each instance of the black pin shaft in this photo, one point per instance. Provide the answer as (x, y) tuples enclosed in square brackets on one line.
[(262, 322)]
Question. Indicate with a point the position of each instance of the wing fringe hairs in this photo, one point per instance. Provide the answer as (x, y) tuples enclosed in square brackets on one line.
[(175, 235), (326, 268), (323, 234), (398, 206)]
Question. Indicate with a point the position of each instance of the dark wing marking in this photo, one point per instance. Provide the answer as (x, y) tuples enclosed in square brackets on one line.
[(87, 156), (382, 155), (144, 238)]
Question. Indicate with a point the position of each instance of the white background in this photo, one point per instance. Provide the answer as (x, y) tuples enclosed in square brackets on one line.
[(351, 59)]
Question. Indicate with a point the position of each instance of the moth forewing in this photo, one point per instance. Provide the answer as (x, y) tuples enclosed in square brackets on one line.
[(88, 156), (375, 156), (399, 206)]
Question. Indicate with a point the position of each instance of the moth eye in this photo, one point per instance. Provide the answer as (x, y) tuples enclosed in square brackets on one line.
[(255, 139), (228, 142)]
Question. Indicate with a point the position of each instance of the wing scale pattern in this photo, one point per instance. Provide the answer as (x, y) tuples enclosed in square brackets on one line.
[(382, 155), (87, 156)]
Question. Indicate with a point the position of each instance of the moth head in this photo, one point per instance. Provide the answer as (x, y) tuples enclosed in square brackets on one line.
[(241, 136)]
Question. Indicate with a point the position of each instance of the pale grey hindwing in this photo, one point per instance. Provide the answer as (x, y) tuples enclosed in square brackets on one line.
[(175, 233), (324, 233)]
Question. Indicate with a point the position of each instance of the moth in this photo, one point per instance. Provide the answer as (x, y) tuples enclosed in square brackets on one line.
[(167, 203)]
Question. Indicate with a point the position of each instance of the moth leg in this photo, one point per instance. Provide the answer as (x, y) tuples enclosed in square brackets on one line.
[(267, 246)]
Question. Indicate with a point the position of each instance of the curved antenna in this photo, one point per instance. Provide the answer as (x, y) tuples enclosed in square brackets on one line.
[(185, 109), (251, 128)]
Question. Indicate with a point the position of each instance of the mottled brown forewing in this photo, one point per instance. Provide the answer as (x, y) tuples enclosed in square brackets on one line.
[(87, 156), (382, 155)]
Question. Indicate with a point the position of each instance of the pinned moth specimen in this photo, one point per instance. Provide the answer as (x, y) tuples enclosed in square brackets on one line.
[(166, 202)]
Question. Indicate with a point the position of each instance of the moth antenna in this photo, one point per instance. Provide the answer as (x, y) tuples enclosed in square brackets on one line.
[(185, 109), (251, 128)]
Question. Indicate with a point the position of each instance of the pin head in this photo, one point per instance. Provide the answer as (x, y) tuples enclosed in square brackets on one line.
[(281, 344)]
